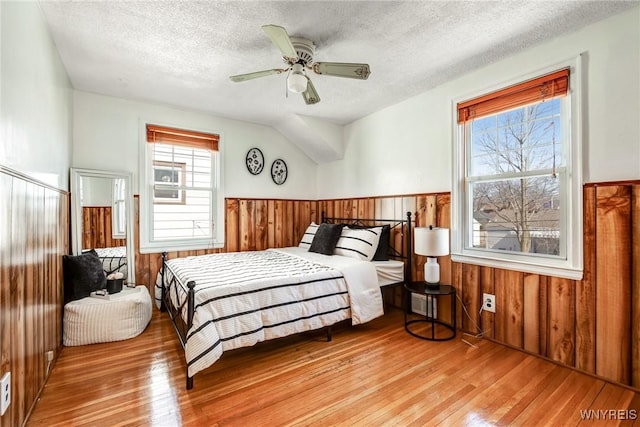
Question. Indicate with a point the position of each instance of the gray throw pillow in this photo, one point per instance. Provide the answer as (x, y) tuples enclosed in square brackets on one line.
[(83, 274), (326, 238)]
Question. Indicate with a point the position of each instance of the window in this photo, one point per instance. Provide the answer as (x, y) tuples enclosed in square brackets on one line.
[(517, 199), (119, 217), (182, 196)]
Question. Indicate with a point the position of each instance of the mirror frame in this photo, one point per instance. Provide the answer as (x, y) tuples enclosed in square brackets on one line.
[(76, 213)]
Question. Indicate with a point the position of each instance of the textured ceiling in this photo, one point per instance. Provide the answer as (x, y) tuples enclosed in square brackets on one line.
[(181, 52)]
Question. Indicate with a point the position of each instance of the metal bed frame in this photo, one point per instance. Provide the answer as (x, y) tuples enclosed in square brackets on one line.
[(181, 313), (405, 236)]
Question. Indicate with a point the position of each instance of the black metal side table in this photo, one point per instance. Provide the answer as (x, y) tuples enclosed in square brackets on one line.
[(432, 294)]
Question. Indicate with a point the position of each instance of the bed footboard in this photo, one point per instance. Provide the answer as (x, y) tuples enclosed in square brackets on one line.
[(178, 301)]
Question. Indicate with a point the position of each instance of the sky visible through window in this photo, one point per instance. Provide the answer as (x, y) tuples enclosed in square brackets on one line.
[(515, 166)]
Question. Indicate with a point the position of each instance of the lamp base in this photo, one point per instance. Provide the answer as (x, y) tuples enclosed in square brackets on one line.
[(432, 272)]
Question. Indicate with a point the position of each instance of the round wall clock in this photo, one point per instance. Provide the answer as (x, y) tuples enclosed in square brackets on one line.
[(279, 171), (255, 161)]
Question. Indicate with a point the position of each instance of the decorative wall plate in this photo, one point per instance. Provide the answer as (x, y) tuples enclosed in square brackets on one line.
[(255, 161), (279, 171)]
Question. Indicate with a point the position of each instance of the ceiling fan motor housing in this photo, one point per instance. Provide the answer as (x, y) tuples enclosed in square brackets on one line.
[(305, 50)]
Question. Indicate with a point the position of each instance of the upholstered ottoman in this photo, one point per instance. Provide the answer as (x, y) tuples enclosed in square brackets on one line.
[(93, 320)]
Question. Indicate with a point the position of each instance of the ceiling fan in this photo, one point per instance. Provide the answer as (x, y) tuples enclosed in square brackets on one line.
[(298, 53)]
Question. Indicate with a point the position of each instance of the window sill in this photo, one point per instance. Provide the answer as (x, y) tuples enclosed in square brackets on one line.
[(550, 269)]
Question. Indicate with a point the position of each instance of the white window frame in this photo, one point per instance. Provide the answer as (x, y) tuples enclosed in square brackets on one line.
[(571, 266), (145, 184), (118, 216)]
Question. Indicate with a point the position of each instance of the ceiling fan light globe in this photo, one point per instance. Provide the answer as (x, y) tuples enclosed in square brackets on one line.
[(297, 82)]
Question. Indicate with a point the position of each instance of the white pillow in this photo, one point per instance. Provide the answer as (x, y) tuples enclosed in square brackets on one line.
[(358, 243), (308, 236)]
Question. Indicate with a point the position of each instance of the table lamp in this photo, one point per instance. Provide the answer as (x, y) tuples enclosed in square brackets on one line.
[(431, 242)]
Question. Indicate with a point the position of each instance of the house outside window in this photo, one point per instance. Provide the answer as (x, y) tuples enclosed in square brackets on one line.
[(182, 195), (516, 199)]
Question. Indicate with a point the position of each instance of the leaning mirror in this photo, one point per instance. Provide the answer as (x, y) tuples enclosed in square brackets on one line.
[(102, 218)]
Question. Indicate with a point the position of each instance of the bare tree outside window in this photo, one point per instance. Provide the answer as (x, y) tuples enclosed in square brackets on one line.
[(515, 170)]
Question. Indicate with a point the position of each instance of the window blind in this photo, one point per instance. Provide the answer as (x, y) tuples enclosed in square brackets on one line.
[(546, 87), (187, 138)]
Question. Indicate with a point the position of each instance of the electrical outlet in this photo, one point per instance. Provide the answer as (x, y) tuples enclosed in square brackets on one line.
[(489, 302), (5, 394), (50, 356)]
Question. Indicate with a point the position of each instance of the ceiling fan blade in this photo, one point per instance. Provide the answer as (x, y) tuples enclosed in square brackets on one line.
[(343, 69), (281, 40), (255, 75), (310, 95)]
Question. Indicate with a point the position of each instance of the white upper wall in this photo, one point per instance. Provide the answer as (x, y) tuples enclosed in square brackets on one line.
[(35, 98), (406, 148), (403, 149), (107, 135)]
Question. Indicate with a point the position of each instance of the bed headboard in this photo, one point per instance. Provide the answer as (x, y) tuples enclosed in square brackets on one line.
[(400, 245)]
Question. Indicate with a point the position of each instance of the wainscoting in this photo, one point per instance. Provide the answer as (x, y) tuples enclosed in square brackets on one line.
[(34, 234), (592, 325)]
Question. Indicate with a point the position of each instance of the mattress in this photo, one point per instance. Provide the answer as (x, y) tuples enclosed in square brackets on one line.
[(389, 272)]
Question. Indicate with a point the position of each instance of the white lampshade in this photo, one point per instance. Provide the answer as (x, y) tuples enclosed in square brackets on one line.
[(297, 81), (431, 241)]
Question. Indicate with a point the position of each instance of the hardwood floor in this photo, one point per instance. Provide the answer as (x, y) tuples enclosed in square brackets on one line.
[(372, 374)]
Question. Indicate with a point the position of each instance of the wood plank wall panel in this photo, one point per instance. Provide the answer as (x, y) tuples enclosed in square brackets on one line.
[(34, 234), (592, 324), (509, 317), (232, 215), (613, 274), (531, 321), (561, 312), (471, 296), (97, 228), (635, 286), (586, 291)]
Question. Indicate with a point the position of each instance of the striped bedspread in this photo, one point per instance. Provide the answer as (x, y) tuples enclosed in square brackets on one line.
[(242, 298)]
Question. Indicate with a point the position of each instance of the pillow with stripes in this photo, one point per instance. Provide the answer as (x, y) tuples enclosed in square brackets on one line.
[(308, 236), (358, 243)]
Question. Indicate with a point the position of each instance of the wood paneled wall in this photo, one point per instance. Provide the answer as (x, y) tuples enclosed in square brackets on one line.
[(97, 228), (34, 234), (592, 324)]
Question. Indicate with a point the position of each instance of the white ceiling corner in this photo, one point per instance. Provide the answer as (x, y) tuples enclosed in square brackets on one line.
[(321, 141), (181, 53)]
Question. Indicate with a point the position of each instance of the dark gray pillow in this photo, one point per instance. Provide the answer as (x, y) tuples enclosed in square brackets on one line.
[(326, 238), (83, 274)]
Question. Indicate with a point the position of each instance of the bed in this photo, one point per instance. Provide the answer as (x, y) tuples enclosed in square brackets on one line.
[(224, 301), (114, 260)]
